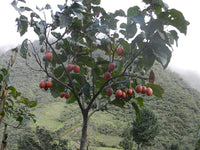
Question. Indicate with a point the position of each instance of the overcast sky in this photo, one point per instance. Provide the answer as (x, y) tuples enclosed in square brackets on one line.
[(186, 56)]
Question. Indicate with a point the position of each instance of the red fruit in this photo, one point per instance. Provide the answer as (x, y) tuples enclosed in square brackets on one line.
[(67, 95), (42, 84), (48, 55), (149, 91), (109, 91), (144, 89), (123, 95), (117, 96), (126, 91), (46, 88), (119, 93), (49, 84), (70, 67), (138, 89), (107, 75), (62, 94), (130, 91), (76, 68), (120, 51), (111, 67)]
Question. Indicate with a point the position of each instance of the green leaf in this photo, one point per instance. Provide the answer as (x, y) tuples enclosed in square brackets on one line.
[(22, 24), (71, 99), (96, 2), (19, 118), (137, 110), (157, 89), (56, 35), (139, 19), (25, 8), (119, 13), (131, 30), (133, 11), (140, 101), (162, 53), (153, 25), (123, 25), (175, 18), (4, 71), (148, 58), (12, 88), (24, 49), (175, 36), (65, 20), (56, 89), (32, 104), (47, 6), (86, 90), (118, 102), (24, 99)]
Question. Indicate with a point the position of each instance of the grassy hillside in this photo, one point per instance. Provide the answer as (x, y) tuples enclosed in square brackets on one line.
[(177, 112)]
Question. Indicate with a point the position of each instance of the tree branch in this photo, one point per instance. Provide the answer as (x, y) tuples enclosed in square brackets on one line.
[(68, 76)]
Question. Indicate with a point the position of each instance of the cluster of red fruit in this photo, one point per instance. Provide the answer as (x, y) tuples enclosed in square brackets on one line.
[(122, 94), (111, 66), (143, 90), (119, 93), (71, 67), (46, 85), (65, 94)]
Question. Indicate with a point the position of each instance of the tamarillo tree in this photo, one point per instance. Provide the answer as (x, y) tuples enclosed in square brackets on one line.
[(95, 58)]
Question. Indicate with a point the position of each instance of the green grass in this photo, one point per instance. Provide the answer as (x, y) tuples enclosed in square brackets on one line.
[(48, 116)]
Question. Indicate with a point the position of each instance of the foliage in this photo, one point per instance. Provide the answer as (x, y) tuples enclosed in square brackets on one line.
[(13, 104), (127, 142), (43, 140), (92, 41), (145, 131)]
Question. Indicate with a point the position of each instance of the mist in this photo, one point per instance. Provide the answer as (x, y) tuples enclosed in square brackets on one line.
[(192, 77)]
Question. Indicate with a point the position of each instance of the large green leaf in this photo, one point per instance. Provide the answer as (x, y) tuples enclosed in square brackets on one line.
[(65, 20), (131, 30), (157, 89), (118, 102), (22, 24), (148, 58), (140, 101), (57, 89), (162, 53), (137, 110), (119, 12), (86, 90), (175, 18), (133, 11), (24, 49)]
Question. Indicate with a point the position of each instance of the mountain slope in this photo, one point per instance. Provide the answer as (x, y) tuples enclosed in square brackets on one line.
[(177, 112)]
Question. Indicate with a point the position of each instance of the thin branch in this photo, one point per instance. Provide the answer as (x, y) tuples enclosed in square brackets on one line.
[(68, 76), (93, 73), (59, 38), (106, 82)]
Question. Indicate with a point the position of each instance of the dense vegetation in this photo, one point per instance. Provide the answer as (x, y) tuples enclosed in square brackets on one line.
[(177, 113)]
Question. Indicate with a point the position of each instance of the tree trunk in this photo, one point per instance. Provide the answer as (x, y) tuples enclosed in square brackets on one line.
[(138, 147), (83, 145)]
